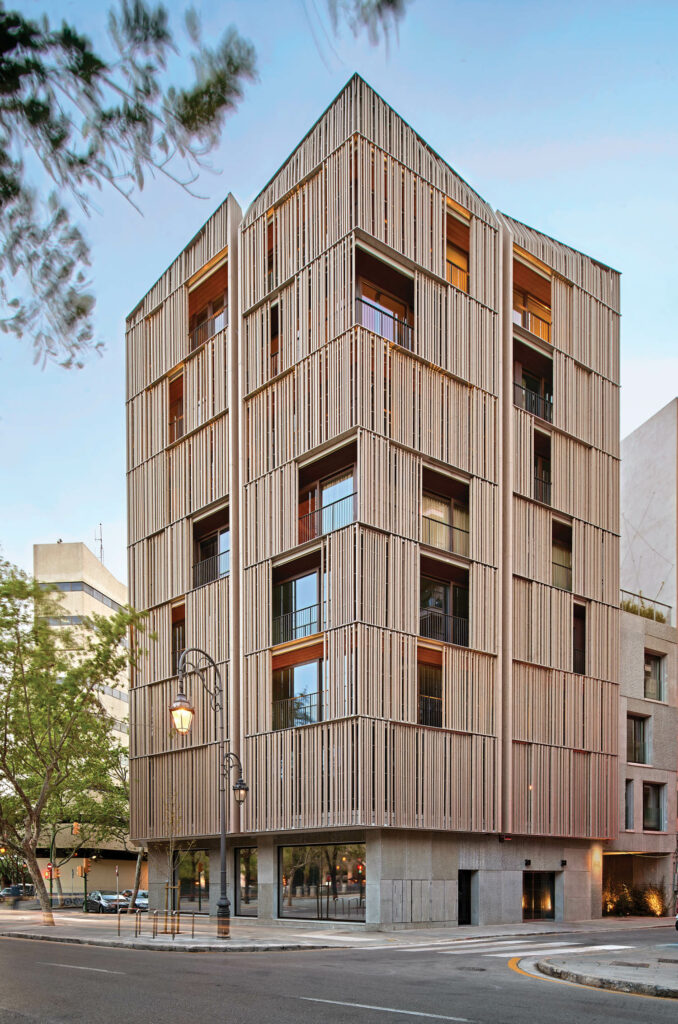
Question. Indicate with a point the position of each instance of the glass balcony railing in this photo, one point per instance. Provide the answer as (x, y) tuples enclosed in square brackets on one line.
[(302, 710), (327, 518), (532, 402), (435, 624), (383, 323), (444, 536), (297, 624)]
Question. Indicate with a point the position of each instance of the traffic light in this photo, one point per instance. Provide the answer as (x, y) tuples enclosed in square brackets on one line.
[(81, 871), (75, 831), (47, 874), (56, 873), (86, 865), (3, 849)]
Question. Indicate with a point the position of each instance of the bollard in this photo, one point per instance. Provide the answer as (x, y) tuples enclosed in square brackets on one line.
[(118, 922), (178, 922), (155, 924), (173, 923), (165, 929), (193, 926)]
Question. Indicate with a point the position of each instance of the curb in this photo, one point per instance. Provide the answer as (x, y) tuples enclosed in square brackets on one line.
[(164, 946), (593, 981)]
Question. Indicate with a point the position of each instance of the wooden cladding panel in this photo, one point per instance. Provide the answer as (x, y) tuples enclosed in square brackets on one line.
[(175, 795), (257, 608), (585, 482), (389, 486), (484, 521), (585, 404), (532, 547), (484, 265), (361, 772), (270, 514), (207, 618), (151, 730), (469, 691), (160, 566), (523, 452), (147, 494), (483, 607), (562, 792), (564, 709), (205, 383)]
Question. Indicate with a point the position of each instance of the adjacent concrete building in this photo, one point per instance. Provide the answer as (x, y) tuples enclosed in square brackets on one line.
[(373, 471)]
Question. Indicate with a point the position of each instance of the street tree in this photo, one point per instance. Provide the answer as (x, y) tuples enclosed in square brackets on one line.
[(56, 753), (74, 120)]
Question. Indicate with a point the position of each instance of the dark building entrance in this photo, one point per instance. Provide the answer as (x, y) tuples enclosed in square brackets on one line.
[(464, 888), (539, 895)]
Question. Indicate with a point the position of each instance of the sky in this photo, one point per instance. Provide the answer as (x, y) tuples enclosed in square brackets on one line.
[(562, 115)]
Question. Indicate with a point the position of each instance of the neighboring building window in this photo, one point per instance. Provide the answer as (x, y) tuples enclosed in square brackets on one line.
[(176, 407), (579, 639), (430, 695), (79, 585), (297, 695), (561, 555), (653, 807), (654, 676), (296, 608), (628, 805), (637, 731)]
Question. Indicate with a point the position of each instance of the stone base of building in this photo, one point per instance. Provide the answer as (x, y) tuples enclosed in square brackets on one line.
[(390, 879)]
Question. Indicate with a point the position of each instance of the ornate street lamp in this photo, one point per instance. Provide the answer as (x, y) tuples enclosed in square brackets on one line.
[(183, 712)]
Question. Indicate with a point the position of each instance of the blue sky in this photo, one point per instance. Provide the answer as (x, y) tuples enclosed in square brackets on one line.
[(562, 115)]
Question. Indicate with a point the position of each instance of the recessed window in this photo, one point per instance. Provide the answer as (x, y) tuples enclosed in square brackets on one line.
[(654, 676), (628, 805), (178, 635), (208, 308), (542, 467), (274, 342), (532, 381), (653, 807), (297, 694), (561, 555), (579, 639), (212, 548), (445, 513), (384, 299), (430, 695), (327, 495), (443, 602), (457, 251), (531, 301), (637, 736), (297, 600), (176, 407)]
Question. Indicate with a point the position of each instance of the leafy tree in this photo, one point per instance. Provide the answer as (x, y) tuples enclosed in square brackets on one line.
[(83, 120), (56, 753)]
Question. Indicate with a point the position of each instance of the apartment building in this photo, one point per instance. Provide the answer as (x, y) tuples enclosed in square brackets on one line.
[(373, 472)]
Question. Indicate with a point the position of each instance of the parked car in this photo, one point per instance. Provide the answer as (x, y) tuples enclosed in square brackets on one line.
[(141, 902), (105, 903)]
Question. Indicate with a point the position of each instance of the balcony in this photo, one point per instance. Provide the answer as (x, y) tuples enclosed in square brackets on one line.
[(386, 325), (176, 428), (579, 661), (456, 276), (327, 518), (302, 710), (637, 604), (297, 624), (542, 489), (207, 329), (430, 711), (435, 624), (561, 576), (533, 323), (532, 402), (443, 536), (211, 569)]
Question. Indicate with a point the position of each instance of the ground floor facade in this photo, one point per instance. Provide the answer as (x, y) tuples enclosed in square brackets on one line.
[(386, 879)]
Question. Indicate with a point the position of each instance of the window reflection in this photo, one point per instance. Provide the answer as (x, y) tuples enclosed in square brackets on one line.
[(322, 882)]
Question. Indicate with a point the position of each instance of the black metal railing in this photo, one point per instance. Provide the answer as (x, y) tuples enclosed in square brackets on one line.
[(542, 489), (532, 323), (327, 518), (383, 323), (297, 624), (456, 276), (435, 624), (207, 329), (579, 661), (532, 402), (561, 576), (442, 535), (302, 710), (176, 428), (211, 569), (430, 711)]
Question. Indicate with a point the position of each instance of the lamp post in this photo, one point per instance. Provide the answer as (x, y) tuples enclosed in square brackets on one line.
[(182, 712)]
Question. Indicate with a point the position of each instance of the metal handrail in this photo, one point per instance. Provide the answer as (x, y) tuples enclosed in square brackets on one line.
[(435, 624), (534, 324), (297, 624), (327, 518), (444, 536), (207, 329), (211, 569), (302, 710), (561, 576), (532, 402), (430, 711), (386, 325), (176, 428), (542, 489), (456, 276), (637, 604)]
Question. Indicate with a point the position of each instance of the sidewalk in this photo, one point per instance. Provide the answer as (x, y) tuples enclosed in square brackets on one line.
[(248, 935), (652, 971)]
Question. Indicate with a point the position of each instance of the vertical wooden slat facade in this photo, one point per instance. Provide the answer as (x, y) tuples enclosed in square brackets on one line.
[(363, 181)]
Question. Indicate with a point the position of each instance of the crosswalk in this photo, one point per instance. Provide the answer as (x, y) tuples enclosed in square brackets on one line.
[(529, 946)]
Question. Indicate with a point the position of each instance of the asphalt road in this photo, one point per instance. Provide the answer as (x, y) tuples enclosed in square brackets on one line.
[(49, 982)]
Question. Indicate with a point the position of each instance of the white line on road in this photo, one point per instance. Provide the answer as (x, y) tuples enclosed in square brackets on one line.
[(476, 945), (77, 967), (385, 1009), (556, 950)]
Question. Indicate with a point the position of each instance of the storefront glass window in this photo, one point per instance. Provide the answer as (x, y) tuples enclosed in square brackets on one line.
[(322, 882)]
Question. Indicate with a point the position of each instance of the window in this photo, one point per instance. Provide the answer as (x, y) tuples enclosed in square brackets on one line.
[(628, 805), (269, 252), (445, 513), (531, 300), (211, 548), (532, 381), (176, 407), (327, 494), (178, 635), (296, 608), (653, 807), (542, 467), (384, 299), (637, 736), (274, 342), (654, 676), (561, 555), (297, 694), (443, 603), (579, 639), (322, 882), (247, 892), (207, 307), (430, 695), (457, 251)]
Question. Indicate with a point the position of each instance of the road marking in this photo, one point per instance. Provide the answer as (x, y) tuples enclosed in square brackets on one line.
[(560, 948), (77, 967), (385, 1009), (513, 965)]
